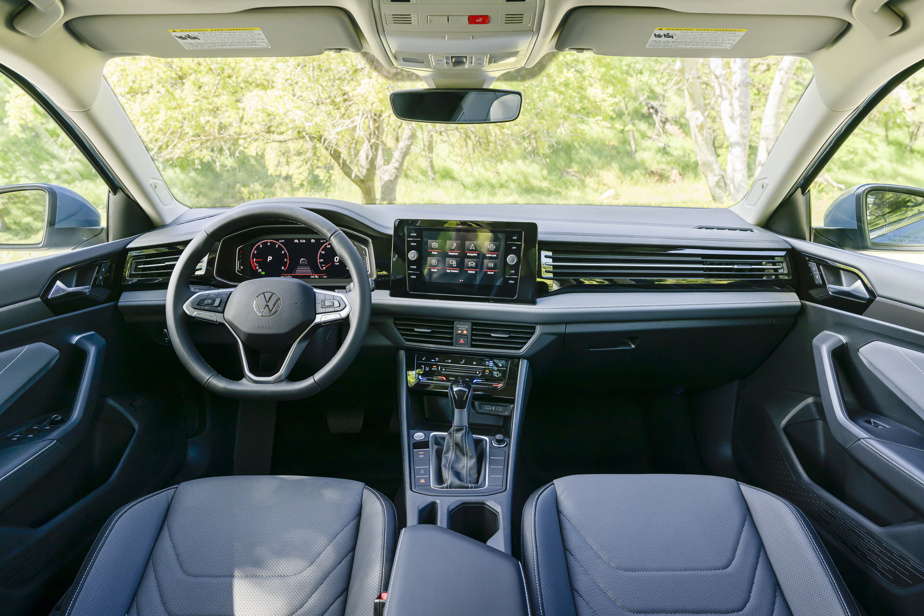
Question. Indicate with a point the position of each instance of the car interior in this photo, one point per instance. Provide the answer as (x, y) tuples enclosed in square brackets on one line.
[(303, 405)]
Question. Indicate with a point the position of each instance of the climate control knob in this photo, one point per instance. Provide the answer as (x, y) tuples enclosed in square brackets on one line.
[(413, 255)]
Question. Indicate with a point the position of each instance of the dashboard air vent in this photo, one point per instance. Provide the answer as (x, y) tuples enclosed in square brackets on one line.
[(511, 19), (739, 229), (677, 266), (501, 336), (403, 19), (155, 264), (425, 331)]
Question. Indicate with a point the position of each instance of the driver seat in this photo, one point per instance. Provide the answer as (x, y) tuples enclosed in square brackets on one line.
[(287, 546)]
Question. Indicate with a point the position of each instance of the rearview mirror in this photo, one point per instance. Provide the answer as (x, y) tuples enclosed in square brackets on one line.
[(875, 217), (457, 106), (42, 216)]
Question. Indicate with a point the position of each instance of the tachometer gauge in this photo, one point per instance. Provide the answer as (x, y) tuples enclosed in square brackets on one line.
[(269, 258), (329, 263)]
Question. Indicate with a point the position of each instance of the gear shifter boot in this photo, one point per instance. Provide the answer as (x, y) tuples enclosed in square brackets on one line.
[(459, 461)]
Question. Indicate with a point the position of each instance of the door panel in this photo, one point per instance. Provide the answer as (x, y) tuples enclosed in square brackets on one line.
[(86, 423), (833, 422)]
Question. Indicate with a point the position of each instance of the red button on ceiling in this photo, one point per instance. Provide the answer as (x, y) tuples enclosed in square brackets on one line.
[(478, 19)]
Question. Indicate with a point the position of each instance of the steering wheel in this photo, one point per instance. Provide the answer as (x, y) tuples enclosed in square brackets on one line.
[(275, 316)]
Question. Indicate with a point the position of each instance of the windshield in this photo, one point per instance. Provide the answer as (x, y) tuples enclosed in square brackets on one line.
[(593, 130)]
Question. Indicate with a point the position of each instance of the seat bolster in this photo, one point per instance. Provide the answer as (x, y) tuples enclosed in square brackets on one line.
[(544, 555), (113, 569), (375, 549), (807, 577)]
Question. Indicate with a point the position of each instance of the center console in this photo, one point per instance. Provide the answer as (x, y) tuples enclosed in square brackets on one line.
[(481, 506), (482, 261)]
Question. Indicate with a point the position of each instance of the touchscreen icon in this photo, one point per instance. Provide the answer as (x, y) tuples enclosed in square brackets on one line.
[(434, 263), (471, 247), (471, 264), (490, 266), (491, 247), (452, 245), (434, 244), (452, 263)]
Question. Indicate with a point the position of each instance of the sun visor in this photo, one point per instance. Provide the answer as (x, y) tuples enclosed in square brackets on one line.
[(613, 31), (262, 32)]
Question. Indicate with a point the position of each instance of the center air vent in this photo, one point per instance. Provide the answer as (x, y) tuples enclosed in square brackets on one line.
[(678, 266), (154, 265), (485, 336), (501, 336), (425, 331), (511, 19)]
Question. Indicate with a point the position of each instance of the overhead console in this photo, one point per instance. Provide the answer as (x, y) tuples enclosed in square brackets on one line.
[(459, 42), (442, 259)]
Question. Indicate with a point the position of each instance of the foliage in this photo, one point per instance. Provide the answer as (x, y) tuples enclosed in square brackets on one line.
[(593, 130), (885, 149)]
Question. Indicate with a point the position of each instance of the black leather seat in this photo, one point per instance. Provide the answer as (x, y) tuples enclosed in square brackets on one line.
[(242, 545), (673, 544)]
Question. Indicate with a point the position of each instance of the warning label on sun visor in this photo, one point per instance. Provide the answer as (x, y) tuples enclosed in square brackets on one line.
[(695, 38), (221, 38)]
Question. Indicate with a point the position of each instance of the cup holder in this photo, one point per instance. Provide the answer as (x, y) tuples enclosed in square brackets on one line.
[(475, 520)]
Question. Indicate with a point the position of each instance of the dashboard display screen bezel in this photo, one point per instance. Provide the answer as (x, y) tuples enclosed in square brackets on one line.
[(525, 279), (226, 261)]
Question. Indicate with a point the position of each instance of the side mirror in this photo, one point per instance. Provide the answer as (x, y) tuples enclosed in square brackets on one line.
[(43, 217), (457, 106), (875, 217)]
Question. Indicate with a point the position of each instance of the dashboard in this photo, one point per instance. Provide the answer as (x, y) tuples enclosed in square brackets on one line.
[(268, 252)]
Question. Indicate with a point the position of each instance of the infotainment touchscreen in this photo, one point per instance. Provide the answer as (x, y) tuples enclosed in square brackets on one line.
[(470, 259)]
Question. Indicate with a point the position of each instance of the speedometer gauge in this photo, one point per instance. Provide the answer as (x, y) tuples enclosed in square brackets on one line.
[(329, 263), (269, 258)]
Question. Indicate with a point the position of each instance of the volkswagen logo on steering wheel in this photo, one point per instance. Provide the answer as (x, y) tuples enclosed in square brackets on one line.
[(266, 304)]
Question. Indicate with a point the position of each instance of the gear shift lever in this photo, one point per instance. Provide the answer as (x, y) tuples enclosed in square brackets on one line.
[(459, 462), (460, 394)]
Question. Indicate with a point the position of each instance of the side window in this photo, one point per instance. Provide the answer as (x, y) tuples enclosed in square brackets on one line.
[(870, 195), (51, 198)]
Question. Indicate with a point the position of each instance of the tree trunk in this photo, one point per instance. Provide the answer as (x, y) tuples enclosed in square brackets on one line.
[(735, 109), (700, 131), (389, 174), (770, 125), (428, 148)]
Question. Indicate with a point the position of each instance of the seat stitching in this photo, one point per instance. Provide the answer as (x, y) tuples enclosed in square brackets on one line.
[(586, 602), (321, 585), (613, 599), (125, 510), (12, 361), (731, 562), (384, 538), (902, 351), (324, 613), (160, 595), (811, 539), (536, 548), (246, 577), (525, 590)]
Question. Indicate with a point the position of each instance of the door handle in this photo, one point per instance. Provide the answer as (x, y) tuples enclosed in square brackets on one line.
[(60, 292), (856, 292)]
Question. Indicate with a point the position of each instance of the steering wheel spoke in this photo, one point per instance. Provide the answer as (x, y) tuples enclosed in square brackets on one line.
[(330, 307), (208, 305)]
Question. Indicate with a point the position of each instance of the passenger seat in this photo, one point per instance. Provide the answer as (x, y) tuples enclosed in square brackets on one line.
[(600, 545)]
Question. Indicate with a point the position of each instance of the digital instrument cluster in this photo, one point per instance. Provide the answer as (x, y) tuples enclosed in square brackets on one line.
[(296, 255)]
